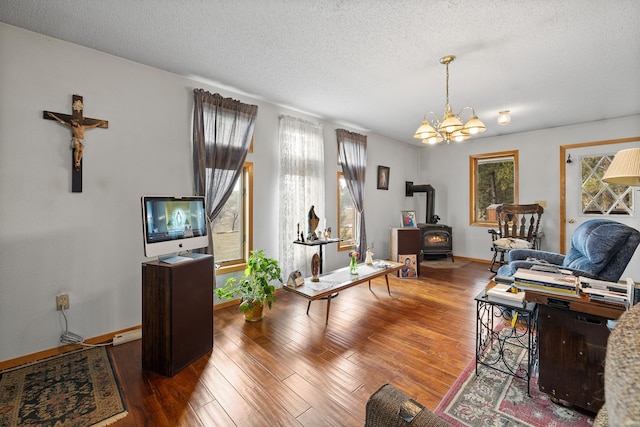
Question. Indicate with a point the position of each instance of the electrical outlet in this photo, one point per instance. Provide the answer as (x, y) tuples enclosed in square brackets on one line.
[(62, 302), (371, 245), (542, 203)]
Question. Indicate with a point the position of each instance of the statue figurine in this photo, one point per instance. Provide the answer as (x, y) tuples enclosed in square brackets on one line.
[(314, 220), (369, 258)]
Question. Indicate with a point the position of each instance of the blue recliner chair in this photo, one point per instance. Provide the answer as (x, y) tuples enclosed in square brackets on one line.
[(600, 249)]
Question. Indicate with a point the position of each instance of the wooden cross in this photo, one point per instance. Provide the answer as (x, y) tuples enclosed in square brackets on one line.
[(78, 124)]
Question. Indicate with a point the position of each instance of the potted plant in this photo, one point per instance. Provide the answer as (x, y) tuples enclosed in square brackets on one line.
[(254, 286)]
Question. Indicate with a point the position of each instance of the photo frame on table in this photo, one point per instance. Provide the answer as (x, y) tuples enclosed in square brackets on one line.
[(409, 269), (409, 219), (383, 178)]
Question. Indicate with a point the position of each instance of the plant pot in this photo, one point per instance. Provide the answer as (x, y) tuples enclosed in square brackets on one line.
[(254, 315)]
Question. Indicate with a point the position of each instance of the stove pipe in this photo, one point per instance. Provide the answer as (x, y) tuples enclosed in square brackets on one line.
[(431, 217)]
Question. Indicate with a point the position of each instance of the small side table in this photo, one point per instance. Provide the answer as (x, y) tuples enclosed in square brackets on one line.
[(319, 243), (488, 310)]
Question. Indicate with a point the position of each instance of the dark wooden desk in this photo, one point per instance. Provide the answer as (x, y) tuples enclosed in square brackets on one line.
[(177, 313), (338, 280), (572, 343)]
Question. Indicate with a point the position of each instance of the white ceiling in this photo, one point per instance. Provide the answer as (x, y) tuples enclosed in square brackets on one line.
[(373, 65)]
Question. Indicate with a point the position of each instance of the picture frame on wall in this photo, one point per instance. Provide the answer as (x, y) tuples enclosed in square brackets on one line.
[(409, 268), (383, 177), (409, 219)]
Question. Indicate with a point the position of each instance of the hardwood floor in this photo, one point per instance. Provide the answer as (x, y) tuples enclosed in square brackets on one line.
[(291, 369)]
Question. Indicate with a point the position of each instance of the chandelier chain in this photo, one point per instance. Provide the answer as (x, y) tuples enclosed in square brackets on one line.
[(447, 85)]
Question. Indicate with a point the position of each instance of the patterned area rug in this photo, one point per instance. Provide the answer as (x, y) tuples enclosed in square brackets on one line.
[(444, 263), (496, 399), (76, 389)]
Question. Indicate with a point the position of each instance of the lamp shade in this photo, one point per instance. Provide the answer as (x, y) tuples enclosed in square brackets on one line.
[(625, 168), (474, 126), (425, 131)]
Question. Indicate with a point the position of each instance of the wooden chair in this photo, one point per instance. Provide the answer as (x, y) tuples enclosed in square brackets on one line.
[(518, 227)]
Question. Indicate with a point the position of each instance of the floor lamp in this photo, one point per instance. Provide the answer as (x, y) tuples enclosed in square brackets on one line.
[(625, 169)]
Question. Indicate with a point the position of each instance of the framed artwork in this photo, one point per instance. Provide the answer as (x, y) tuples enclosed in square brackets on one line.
[(409, 269), (383, 178), (409, 219)]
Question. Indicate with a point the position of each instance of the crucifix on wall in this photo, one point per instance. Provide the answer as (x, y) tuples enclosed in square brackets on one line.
[(78, 124)]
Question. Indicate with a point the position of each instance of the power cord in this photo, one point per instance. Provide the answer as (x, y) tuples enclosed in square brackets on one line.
[(68, 337)]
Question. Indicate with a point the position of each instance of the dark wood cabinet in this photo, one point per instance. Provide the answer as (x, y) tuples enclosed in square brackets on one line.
[(177, 313), (406, 241), (572, 345)]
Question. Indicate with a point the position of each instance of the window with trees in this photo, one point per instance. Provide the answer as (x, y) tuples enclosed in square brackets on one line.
[(231, 229), (494, 180), (599, 197), (346, 216)]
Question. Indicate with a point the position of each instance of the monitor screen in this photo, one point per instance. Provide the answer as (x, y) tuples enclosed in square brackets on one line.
[(173, 224)]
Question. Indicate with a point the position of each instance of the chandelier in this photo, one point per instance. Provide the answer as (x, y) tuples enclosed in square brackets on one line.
[(450, 128)]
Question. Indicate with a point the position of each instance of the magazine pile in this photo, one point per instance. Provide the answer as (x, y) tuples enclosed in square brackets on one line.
[(557, 283), (506, 294), (609, 292)]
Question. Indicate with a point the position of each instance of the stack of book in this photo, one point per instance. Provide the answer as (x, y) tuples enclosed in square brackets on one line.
[(544, 281), (505, 295), (609, 292)]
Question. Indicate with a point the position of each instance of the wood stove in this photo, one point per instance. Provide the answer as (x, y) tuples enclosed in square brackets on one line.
[(435, 240)]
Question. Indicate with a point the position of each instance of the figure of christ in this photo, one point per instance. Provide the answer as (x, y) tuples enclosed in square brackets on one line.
[(77, 135)]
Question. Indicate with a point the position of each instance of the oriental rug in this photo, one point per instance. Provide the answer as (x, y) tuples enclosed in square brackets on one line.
[(75, 389), (493, 398)]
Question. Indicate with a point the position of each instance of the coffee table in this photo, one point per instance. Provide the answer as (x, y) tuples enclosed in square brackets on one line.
[(335, 281)]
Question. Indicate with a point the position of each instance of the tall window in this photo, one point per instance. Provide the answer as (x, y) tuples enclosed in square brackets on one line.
[(302, 186), (232, 228), (494, 180), (598, 197), (346, 216)]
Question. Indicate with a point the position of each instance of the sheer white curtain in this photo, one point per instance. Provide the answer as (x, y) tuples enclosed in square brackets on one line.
[(301, 186)]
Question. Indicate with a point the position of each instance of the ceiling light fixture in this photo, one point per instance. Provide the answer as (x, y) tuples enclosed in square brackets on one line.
[(504, 117), (433, 131)]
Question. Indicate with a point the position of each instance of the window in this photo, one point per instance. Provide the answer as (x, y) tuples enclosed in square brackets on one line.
[(494, 180), (346, 216), (598, 197), (232, 228)]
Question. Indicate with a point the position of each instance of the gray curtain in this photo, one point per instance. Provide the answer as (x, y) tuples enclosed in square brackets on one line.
[(222, 132), (352, 152)]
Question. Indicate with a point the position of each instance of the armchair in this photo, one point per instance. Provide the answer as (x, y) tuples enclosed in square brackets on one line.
[(518, 227), (600, 249)]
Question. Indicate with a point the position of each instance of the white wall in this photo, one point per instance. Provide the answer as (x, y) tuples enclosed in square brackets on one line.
[(89, 244), (539, 164)]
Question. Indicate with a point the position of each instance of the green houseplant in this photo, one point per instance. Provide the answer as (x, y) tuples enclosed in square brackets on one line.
[(255, 286)]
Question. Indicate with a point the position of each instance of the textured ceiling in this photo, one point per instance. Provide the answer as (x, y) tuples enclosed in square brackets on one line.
[(373, 65)]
